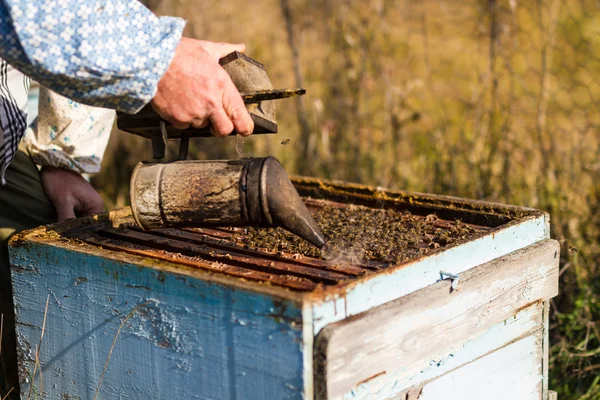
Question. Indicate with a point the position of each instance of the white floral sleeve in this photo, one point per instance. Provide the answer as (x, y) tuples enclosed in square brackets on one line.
[(67, 134), (108, 53)]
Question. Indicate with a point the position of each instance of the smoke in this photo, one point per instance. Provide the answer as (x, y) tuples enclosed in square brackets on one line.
[(337, 253)]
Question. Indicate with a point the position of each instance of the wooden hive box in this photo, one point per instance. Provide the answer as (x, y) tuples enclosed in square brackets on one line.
[(188, 315)]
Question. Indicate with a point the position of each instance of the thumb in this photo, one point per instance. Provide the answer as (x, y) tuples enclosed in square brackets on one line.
[(65, 209), (220, 50)]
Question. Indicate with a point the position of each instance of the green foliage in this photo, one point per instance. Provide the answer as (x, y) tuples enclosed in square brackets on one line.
[(486, 99), (576, 348)]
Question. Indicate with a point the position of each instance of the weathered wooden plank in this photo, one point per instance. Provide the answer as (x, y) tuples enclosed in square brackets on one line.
[(546, 349), (411, 394), (230, 256), (182, 337), (431, 322), (51, 236), (379, 289), (512, 372), (552, 395), (283, 280), (401, 382), (196, 237)]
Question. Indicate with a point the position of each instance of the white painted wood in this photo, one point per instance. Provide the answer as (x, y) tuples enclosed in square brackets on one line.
[(397, 383), (400, 281), (307, 352), (546, 349), (432, 323), (513, 372), (411, 394), (552, 395)]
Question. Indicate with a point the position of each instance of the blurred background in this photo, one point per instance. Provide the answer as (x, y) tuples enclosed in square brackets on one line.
[(485, 99)]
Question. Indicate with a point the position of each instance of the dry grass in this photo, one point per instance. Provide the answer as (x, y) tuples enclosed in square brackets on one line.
[(112, 347), (8, 394), (37, 356)]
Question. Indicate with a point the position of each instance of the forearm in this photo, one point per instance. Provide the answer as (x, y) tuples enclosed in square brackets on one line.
[(67, 134), (109, 56)]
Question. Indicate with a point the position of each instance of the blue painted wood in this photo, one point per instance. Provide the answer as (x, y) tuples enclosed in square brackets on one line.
[(185, 338)]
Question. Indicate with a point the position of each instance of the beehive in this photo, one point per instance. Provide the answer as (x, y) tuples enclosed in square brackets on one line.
[(191, 314)]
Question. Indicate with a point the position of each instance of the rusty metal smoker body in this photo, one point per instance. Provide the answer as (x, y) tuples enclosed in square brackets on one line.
[(246, 192)]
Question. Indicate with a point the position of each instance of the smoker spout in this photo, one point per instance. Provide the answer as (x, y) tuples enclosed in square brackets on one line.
[(284, 206)]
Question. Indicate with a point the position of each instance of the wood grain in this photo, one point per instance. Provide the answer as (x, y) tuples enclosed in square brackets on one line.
[(408, 333), (401, 382), (186, 338), (546, 350), (512, 372)]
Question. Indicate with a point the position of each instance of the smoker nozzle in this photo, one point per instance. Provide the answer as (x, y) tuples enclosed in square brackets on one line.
[(274, 201)]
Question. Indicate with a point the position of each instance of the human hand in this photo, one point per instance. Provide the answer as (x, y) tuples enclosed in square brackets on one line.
[(70, 193), (197, 91)]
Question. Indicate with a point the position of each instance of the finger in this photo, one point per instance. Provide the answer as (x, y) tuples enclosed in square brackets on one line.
[(95, 210), (236, 109), (180, 125), (200, 123), (93, 204), (220, 50), (64, 209), (242, 121), (176, 123), (221, 124)]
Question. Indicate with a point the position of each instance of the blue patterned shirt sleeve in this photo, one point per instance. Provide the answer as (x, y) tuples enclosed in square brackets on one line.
[(107, 54)]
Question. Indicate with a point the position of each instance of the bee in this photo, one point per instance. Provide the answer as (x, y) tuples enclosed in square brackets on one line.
[(431, 218), (285, 142)]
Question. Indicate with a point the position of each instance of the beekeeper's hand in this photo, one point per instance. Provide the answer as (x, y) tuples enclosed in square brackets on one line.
[(70, 193), (197, 91)]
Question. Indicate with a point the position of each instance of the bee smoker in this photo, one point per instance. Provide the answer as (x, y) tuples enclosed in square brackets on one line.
[(246, 192)]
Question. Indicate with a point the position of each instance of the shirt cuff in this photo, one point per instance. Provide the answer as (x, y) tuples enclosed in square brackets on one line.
[(67, 134), (56, 155)]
